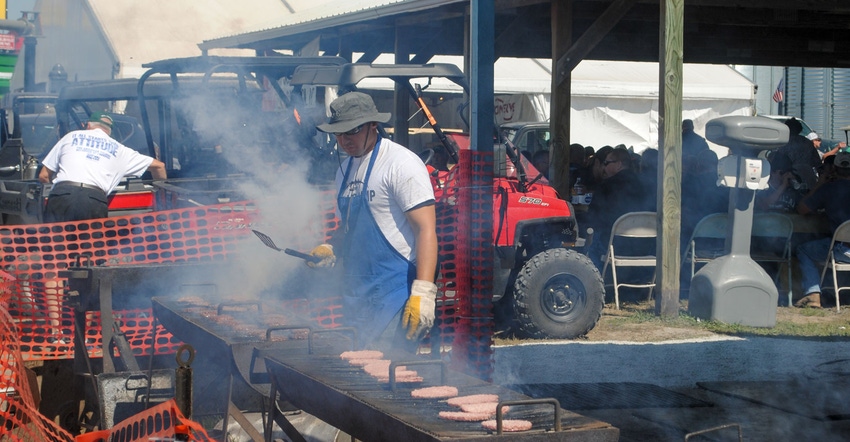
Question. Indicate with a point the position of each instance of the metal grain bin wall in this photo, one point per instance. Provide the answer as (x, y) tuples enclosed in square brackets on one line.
[(821, 97)]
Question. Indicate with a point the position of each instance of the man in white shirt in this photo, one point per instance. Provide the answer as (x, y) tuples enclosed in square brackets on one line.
[(388, 247), (85, 166)]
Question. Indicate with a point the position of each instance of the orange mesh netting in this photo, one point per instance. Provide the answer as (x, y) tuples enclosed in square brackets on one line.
[(158, 421), (19, 416), (35, 254), (465, 311)]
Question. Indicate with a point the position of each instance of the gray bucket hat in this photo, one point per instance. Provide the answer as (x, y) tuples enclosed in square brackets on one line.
[(351, 110)]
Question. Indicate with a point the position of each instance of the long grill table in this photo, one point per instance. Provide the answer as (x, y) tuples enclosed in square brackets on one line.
[(347, 398), (227, 337)]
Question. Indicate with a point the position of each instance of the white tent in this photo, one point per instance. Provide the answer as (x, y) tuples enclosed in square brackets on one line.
[(617, 102), (613, 102)]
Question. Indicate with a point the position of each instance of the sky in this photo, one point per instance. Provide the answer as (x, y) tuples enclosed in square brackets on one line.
[(14, 7)]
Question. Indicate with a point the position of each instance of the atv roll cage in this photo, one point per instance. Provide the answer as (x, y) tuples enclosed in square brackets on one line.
[(245, 69), (193, 121), (346, 77)]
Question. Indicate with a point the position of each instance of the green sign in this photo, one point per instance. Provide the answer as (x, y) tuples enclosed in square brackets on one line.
[(7, 67)]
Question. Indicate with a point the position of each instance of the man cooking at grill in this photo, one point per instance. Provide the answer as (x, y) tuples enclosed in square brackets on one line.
[(387, 237), (86, 166)]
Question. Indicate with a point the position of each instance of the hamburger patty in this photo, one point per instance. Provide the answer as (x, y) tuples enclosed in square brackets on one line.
[(361, 354), (472, 399), (438, 392), (508, 425), (463, 416), (483, 407)]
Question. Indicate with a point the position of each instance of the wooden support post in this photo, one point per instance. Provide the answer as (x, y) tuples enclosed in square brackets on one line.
[(670, 157), (559, 120), (401, 98)]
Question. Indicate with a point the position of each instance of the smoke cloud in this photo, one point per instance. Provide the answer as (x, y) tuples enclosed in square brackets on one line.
[(270, 154)]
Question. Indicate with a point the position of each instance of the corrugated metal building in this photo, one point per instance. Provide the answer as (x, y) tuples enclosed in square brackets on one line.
[(821, 97)]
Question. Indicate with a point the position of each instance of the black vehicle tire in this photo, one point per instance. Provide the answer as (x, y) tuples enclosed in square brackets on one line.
[(558, 294), (68, 417)]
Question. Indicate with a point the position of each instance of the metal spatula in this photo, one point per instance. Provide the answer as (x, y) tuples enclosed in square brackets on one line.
[(270, 244)]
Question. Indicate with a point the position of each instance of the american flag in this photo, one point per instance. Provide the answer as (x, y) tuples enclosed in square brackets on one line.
[(779, 94)]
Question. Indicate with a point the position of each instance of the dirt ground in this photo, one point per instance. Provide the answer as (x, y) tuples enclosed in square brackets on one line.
[(632, 325)]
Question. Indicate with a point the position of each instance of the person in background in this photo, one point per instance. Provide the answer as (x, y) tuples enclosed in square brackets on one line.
[(649, 176), (831, 196), (805, 159), (817, 142), (692, 143), (85, 166), (388, 239), (783, 188), (592, 175), (577, 162), (636, 159), (701, 195), (620, 192), (589, 151), (540, 160), (441, 161), (827, 170)]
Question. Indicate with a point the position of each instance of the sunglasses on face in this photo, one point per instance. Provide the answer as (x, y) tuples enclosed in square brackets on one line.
[(354, 131)]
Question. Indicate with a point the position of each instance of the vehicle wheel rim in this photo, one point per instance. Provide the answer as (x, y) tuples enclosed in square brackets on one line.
[(561, 296)]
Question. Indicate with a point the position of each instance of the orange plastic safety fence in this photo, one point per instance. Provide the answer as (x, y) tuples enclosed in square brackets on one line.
[(159, 421), (464, 314), (35, 254), (19, 416)]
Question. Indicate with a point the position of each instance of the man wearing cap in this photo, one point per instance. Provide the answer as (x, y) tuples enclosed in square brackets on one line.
[(831, 195), (692, 143), (388, 244), (85, 166), (818, 143), (805, 160)]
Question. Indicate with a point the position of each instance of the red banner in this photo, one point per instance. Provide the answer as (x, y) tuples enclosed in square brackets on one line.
[(8, 42)]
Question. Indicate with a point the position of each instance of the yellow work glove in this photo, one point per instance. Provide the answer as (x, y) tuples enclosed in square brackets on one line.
[(418, 315), (324, 251)]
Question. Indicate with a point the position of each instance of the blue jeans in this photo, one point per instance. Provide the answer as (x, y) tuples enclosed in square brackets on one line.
[(809, 254)]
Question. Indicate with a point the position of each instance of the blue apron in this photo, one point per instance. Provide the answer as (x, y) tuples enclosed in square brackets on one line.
[(377, 278)]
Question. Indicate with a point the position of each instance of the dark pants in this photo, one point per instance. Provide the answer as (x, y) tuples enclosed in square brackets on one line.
[(74, 203)]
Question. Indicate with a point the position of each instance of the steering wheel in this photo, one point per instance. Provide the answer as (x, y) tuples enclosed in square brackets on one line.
[(426, 156)]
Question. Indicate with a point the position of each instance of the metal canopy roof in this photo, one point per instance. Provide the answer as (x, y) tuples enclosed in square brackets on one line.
[(753, 32), (351, 74), (206, 64)]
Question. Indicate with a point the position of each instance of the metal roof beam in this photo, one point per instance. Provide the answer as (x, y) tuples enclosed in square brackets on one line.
[(598, 30)]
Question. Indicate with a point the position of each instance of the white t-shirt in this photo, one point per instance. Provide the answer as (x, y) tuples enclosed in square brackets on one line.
[(92, 157), (398, 183)]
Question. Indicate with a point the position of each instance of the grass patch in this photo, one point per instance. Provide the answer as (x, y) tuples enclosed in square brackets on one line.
[(801, 322), (637, 322)]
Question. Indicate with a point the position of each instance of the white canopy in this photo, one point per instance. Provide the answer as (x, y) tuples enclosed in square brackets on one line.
[(613, 102)]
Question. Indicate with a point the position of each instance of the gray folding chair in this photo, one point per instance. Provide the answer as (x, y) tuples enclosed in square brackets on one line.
[(707, 240), (771, 242), (631, 225), (842, 234)]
